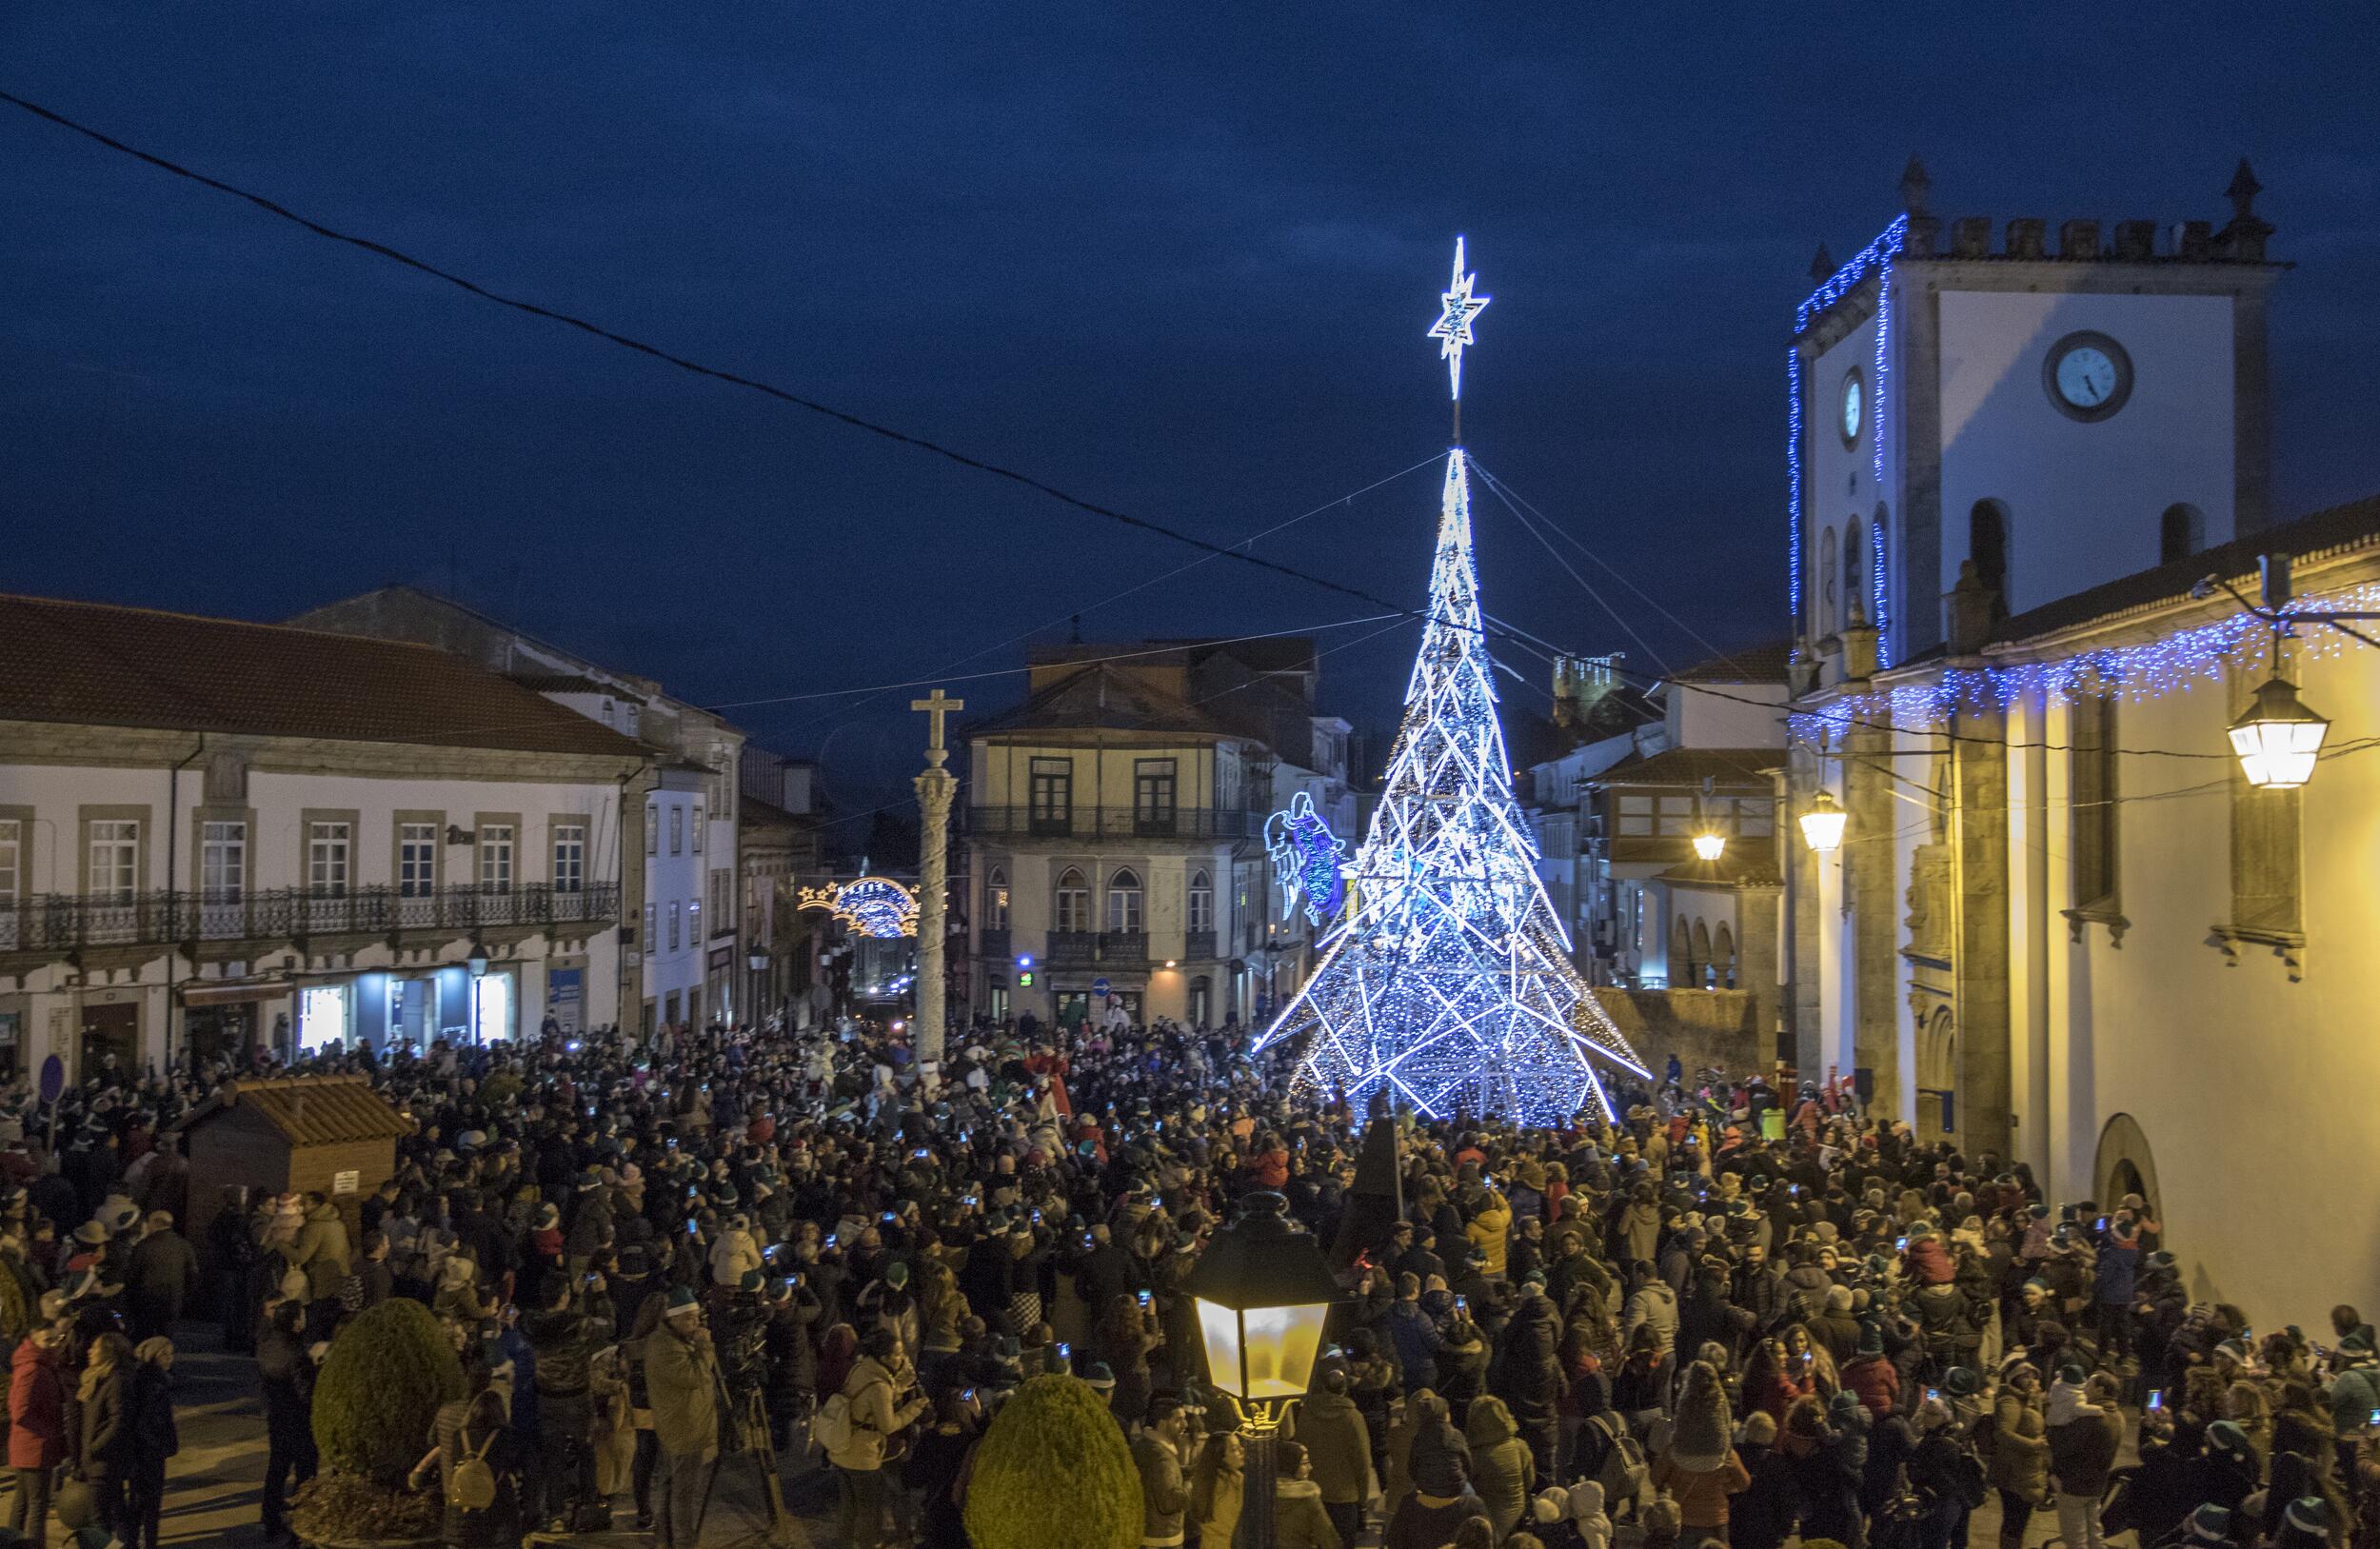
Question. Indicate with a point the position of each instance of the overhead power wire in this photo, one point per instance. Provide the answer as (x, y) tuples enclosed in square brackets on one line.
[(736, 378)]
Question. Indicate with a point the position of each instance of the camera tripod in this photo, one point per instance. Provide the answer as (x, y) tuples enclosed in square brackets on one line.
[(750, 1419)]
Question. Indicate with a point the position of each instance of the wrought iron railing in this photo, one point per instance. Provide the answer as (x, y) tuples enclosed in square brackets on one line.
[(1115, 823), (67, 921), (992, 944), (1198, 945)]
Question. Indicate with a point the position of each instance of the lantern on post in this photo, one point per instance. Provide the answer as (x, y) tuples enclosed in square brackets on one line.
[(1263, 1291), (1709, 845)]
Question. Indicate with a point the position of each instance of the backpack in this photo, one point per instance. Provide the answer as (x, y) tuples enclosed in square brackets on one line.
[(832, 1427), (1624, 1469), (473, 1485)]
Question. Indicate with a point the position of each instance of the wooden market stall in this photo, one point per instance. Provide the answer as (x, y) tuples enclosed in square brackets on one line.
[(332, 1133)]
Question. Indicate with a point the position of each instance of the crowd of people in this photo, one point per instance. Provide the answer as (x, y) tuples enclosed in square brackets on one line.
[(1740, 1313)]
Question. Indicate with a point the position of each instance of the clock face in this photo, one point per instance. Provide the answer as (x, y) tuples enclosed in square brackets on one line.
[(2089, 375), (1855, 405)]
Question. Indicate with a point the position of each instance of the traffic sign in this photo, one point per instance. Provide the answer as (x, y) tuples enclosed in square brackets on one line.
[(1098, 987)]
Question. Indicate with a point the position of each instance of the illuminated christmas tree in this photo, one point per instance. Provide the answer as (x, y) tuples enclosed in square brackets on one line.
[(1447, 982)]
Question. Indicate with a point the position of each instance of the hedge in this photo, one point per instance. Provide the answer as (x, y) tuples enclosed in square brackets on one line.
[(1054, 1471), (380, 1388)]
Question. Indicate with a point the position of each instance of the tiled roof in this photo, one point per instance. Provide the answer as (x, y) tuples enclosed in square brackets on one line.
[(2355, 524), (95, 664), (1757, 664), (1744, 864), (311, 1110), (1692, 765), (1101, 697), (571, 683)]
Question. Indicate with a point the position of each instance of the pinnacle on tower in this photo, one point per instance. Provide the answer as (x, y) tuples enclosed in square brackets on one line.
[(1915, 186), (2243, 192), (1822, 266)]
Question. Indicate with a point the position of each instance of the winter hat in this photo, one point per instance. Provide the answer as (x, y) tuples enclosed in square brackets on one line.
[(1100, 1377), (2308, 1515), (2357, 1344), (1962, 1382), (2038, 1212), (2228, 1435), (1838, 1298), (2072, 1375), (897, 1274), (547, 1217), (1845, 1404), (1871, 1340), (753, 1280), (2037, 1284), (1699, 1440), (681, 1300), (2208, 1524), (91, 1232)]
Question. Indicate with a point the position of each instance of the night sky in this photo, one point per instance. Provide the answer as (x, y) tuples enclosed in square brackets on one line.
[(1175, 258)]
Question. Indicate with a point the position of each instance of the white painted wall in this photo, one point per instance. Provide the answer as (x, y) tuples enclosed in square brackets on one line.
[(1840, 483), (2084, 498), (1718, 716), (677, 878)]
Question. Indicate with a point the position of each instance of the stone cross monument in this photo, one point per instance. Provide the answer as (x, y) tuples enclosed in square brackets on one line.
[(935, 788)]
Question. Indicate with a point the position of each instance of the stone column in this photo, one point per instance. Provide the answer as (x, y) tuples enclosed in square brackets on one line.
[(935, 788)]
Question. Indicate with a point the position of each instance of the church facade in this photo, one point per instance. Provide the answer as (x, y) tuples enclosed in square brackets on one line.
[(2060, 927)]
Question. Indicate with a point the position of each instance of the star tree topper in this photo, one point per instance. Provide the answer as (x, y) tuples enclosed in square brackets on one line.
[(1453, 323)]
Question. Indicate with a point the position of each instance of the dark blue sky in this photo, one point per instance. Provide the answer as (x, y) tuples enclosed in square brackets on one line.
[(1176, 259)]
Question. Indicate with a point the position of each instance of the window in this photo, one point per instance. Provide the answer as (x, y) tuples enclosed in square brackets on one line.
[(1636, 817), (1854, 573), (677, 922), (1153, 796), (694, 921), (1826, 581), (328, 855), (652, 914), (1052, 795), (1755, 816), (995, 900), (1678, 816), (569, 858), (222, 863), (2266, 854), (723, 895), (2093, 798), (1073, 902), (698, 827), (1987, 545), (677, 829), (652, 829), (417, 859), (1201, 912), (115, 845), (11, 858), (1124, 902), (495, 856), (2181, 532), (629, 718)]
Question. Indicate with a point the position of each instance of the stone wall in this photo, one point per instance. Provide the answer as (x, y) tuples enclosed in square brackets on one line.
[(1701, 1026)]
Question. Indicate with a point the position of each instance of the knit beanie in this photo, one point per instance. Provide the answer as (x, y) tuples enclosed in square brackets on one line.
[(2228, 1435), (1699, 1440), (1871, 1340), (2308, 1514), (2208, 1524)]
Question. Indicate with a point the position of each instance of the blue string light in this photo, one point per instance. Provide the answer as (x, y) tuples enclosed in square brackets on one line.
[(2182, 661), (1876, 257)]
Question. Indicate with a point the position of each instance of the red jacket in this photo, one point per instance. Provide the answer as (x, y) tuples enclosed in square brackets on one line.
[(36, 1408), (1876, 1380)]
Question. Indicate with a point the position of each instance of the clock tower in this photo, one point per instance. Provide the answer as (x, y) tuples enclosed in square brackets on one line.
[(2059, 414)]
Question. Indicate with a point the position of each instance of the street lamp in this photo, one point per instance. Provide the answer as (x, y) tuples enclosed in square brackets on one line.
[(1708, 845), (477, 962), (2278, 738), (1262, 1292), (1823, 826)]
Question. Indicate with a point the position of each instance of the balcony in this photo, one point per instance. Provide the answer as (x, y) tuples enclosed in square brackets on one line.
[(990, 942), (1073, 948), (1198, 945), (59, 923), (1114, 823), (1105, 949)]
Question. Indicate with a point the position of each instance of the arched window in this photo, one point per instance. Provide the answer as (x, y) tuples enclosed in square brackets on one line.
[(1202, 1001), (1828, 618), (1723, 957), (1854, 573), (1987, 545), (1073, 902), (1200, 914), (1700, 956), (995, 900), (1124, 902), (2181, 532), (1680, 954)]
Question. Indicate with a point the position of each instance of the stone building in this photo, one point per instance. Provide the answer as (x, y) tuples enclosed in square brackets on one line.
[(215, 835)]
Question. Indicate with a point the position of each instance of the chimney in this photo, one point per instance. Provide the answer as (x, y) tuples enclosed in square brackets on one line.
[(2197, 243), (1915, 186), (1971, 236), (2078, 239), (1859, 642), (2024, 236), (2137, 240), (1924, 234), (1972, 609)]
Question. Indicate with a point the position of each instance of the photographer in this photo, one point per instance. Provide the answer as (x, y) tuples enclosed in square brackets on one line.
[(682, 1380)]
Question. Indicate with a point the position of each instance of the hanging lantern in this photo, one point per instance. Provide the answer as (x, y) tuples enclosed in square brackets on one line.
[(2278, 738), (1710, 846), (1823, 826)]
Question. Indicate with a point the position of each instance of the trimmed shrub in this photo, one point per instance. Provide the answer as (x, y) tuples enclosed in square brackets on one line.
[(380, 1388), (1054, 1471)]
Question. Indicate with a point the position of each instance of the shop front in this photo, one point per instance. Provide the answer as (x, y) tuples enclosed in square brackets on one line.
[(224, 1021)]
